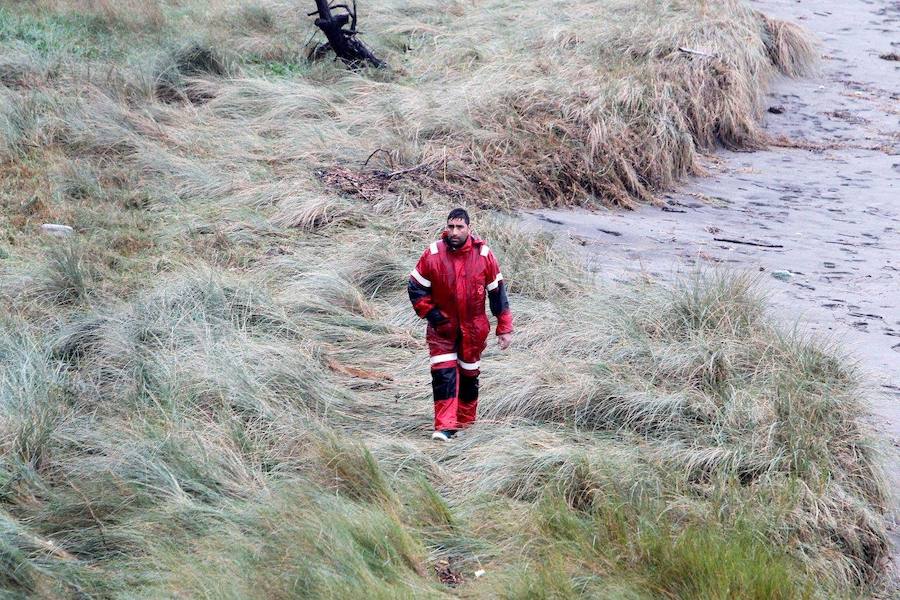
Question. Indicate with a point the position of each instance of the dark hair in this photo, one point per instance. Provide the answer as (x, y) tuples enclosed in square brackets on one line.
[(459, 213)]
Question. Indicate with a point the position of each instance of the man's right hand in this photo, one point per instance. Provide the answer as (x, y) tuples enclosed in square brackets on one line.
[(504, 339)]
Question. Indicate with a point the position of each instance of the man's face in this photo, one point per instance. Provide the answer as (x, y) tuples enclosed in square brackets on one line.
[(457, 232)]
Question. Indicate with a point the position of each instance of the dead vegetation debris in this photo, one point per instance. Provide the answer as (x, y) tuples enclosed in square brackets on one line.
[(447, 574), (375, 184)]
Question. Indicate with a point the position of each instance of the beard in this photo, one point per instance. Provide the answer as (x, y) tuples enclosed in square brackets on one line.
[(456, 243)]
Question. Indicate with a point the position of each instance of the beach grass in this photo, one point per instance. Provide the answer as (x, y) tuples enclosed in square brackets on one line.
[(217, 388)]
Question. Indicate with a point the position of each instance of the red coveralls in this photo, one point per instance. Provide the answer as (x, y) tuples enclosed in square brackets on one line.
[(448, 288)]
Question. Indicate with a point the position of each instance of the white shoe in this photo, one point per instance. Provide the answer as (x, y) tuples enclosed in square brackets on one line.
[(440, 436)]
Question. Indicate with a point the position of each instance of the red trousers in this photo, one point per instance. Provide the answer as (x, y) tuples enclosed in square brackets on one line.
[(455, 361)]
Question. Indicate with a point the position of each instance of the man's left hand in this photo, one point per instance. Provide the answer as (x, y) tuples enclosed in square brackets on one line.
[(505, 339)]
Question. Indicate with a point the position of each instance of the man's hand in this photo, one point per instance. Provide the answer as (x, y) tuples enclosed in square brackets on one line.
[(505, 339)]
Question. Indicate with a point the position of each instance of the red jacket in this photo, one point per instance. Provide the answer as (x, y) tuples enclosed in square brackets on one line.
[(450, 285)]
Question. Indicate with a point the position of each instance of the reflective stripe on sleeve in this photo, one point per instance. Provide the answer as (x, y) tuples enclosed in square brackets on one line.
[(418, 277), (433, 248), (443, 358), (496, 282), (485, 250)]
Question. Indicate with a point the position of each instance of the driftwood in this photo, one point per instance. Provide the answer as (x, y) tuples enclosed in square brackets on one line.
[(747, 243), (343, 42)]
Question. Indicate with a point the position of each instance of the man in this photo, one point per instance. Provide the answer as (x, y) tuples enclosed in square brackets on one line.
[(447, 288)]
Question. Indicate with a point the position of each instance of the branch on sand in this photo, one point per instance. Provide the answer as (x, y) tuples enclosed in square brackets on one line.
[(747, 242)]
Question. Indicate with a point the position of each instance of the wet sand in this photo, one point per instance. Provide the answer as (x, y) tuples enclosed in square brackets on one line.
[(820, 222)]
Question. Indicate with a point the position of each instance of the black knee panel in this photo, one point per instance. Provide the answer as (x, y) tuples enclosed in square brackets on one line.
[(443, 383), (468, 388)]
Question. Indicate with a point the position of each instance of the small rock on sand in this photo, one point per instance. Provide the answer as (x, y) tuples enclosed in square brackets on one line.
[(782, 275)]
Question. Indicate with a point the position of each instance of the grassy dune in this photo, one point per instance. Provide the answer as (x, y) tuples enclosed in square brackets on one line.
[(217, 388)]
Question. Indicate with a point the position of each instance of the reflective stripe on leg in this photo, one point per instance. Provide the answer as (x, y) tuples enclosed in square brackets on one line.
[(443, 358)]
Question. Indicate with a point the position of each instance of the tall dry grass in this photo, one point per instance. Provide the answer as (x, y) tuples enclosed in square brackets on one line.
[(569, 106), (671, 419), (221, 391)]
